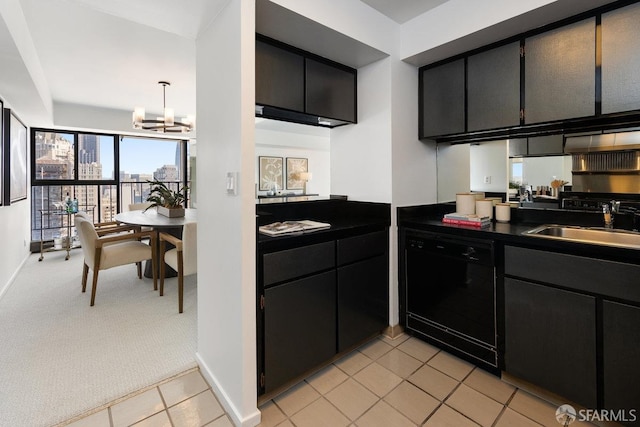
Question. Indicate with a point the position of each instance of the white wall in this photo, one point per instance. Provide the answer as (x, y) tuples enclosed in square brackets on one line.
[(457, 18), (361, 154), (539, 171), (15, 228), (15, 225), (489, 159), (352, 18), (413, 164), (453, 171), (226, 231), (311, 143)]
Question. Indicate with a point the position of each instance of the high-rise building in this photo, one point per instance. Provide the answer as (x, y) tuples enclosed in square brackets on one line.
[(166, 173), (88, 148)]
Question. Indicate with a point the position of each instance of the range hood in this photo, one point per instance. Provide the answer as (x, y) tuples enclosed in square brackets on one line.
[(605, 162), (628, 139), (296, 117)]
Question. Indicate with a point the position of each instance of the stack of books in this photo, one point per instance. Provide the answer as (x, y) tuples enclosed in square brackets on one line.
[(466, 219)]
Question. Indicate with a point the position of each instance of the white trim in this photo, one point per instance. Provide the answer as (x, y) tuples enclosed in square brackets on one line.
[(238, 419), (13, 276)]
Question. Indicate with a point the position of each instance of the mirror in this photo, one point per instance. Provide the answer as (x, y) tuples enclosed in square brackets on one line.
[(487, 167)]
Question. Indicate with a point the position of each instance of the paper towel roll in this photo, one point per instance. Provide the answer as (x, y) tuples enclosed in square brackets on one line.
[(466, 203), (503, 212), (484, 207)]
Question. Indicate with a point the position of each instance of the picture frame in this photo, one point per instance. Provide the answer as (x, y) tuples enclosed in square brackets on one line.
[(15, 158), (296, 165), (270, 173)]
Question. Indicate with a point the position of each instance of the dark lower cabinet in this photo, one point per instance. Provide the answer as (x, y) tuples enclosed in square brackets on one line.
[(362, 300), (550, 339), (621, 357), (299, 327), (317, 300)]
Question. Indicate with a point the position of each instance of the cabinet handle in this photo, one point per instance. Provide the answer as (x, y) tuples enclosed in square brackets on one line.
[(261, 302)]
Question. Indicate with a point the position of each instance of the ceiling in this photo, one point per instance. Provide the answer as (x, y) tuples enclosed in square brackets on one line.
[(402, 11)]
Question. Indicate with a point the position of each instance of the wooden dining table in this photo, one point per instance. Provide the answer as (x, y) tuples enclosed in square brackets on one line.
[(151, 218)]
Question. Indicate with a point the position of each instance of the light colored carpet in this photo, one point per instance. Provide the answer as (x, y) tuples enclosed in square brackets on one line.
[(60, 358)]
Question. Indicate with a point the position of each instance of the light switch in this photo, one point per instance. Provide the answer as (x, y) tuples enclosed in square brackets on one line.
[(232, 183)]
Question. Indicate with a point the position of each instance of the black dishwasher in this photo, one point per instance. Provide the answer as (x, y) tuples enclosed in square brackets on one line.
[(450, 293)]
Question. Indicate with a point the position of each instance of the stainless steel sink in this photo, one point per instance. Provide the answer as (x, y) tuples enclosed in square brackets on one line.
[(591, 235)]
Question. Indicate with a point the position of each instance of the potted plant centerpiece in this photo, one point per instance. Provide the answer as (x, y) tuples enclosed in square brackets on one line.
[(168, 202)]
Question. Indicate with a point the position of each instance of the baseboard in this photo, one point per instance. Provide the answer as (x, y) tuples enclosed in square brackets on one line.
[(12, 279), (393, 331), (237, 418)]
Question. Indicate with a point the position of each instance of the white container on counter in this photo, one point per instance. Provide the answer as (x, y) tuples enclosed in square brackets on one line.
[(484, 207), (466, 203), (503, 212)]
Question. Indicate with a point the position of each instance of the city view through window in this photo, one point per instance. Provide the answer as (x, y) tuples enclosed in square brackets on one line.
[(103, 173)]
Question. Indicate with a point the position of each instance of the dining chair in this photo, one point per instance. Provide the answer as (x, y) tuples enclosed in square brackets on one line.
[(183, 258), (140, 207), (102, 252)]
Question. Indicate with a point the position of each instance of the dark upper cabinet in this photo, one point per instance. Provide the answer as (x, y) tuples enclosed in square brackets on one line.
[(560, 73), (298, 86), (493, 88), (545, 145), (518, 147), (443, 99), (621, 60), (330, 91), (279, 77)]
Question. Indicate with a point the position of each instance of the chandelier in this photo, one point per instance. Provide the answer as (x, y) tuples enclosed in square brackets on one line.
[(162, 124)]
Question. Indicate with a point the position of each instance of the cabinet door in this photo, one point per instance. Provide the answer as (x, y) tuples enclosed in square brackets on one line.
[(621, 354), (518, 147), (541, 145), (550, 339), (621, 60), (330, 91), (363, 295), (443, 99), (279, 77), (299, 327), (493, 88), (560, 73)]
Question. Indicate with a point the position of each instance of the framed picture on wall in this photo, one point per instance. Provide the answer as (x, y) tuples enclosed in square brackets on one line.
[(16, 144), (270, 173), (296, 165)]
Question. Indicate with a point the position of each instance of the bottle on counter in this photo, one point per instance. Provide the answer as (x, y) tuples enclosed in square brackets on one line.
[(67, 203)]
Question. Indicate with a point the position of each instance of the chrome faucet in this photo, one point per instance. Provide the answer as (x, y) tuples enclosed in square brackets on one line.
[(609, 209)]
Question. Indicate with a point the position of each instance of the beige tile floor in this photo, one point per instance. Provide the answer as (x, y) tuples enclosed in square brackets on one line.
[(386, 383)]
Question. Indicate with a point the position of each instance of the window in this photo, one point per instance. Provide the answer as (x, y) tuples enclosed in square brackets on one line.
[(72, 156), (53, 157), (146, 159), (103, 175)]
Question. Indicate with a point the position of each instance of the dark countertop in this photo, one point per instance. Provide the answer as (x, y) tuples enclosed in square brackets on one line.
[(347, 218), (429, 218)]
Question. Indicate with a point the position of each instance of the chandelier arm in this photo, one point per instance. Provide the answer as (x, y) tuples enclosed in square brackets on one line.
[(161, 125)]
